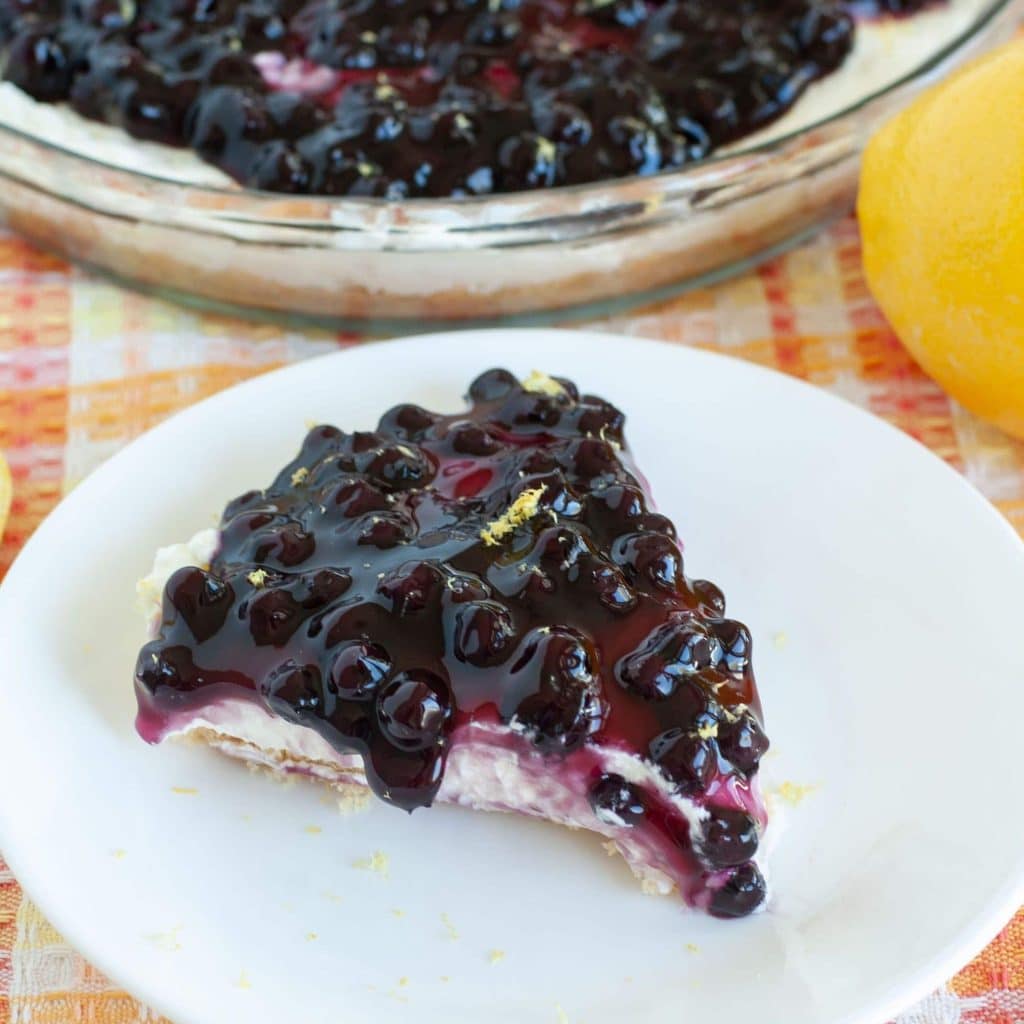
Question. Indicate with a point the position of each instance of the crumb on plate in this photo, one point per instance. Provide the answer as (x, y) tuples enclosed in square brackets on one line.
[(792, 793), (378, 862)]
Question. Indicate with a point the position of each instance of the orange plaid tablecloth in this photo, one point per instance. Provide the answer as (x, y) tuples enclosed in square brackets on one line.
[(86, 367)]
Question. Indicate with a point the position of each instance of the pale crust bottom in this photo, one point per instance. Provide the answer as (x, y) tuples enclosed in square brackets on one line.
[(348, 785)]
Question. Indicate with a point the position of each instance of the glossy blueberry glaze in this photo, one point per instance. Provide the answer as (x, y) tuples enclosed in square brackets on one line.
[(368, 594), (413, 98)]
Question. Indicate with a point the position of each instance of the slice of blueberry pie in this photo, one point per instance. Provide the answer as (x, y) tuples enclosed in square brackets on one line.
[(482, 609)]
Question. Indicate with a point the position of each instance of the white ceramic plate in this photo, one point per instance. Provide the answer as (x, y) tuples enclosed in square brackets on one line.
[(898, 694)]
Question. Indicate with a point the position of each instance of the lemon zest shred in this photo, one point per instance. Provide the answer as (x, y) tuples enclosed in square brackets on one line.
[(523, 509)]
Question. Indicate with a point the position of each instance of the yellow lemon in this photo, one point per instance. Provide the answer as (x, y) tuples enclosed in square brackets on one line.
[(5, 492), (941, 209)]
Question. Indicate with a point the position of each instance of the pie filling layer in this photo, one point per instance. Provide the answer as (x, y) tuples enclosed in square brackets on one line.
[(480, 608), (432, 97)]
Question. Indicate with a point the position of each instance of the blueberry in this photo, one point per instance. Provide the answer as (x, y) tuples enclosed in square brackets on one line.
[(741, 895), (168, 671), (712, 104), (401, 467), (743, 742), (651, 559), (637, 147), (562, 122), (323, 586), (675, 650), (108, 14), (554, 690), (528, 161), (407, 422), (274, 616), (278, 167), (736, 644), (387, 530), (356, 498), (225, 67), (411, 587), (492, 385), (729, 837), (494, 30), (596, 418), (242, 503), (592, 460), (288, 545), (610, 586), (616, 510), (414, 709), (227, 125), (154, 109), (403, 777), (202, 600), (558, 496), (616, 802), (561, 547), (260, 28), (37, 63), (530, 412), (655, 522), (685, 759), (295, 688), (471, 439), (711, 599), (358, 669), (484, 633), (825, 35), (404, 45)]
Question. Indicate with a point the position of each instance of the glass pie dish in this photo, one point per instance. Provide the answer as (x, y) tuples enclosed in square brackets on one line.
[(355, 258)]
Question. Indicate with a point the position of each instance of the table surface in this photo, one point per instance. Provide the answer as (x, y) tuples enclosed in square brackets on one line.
[(86, 367)]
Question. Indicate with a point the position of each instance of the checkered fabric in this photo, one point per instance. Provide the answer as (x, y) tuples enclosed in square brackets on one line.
[(86, 367)]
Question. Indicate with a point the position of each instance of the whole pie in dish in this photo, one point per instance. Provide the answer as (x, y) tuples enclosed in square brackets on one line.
[(409, 98), (483, 609)]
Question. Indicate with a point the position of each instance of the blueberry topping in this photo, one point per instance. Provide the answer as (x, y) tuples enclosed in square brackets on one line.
[(453, 98)]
